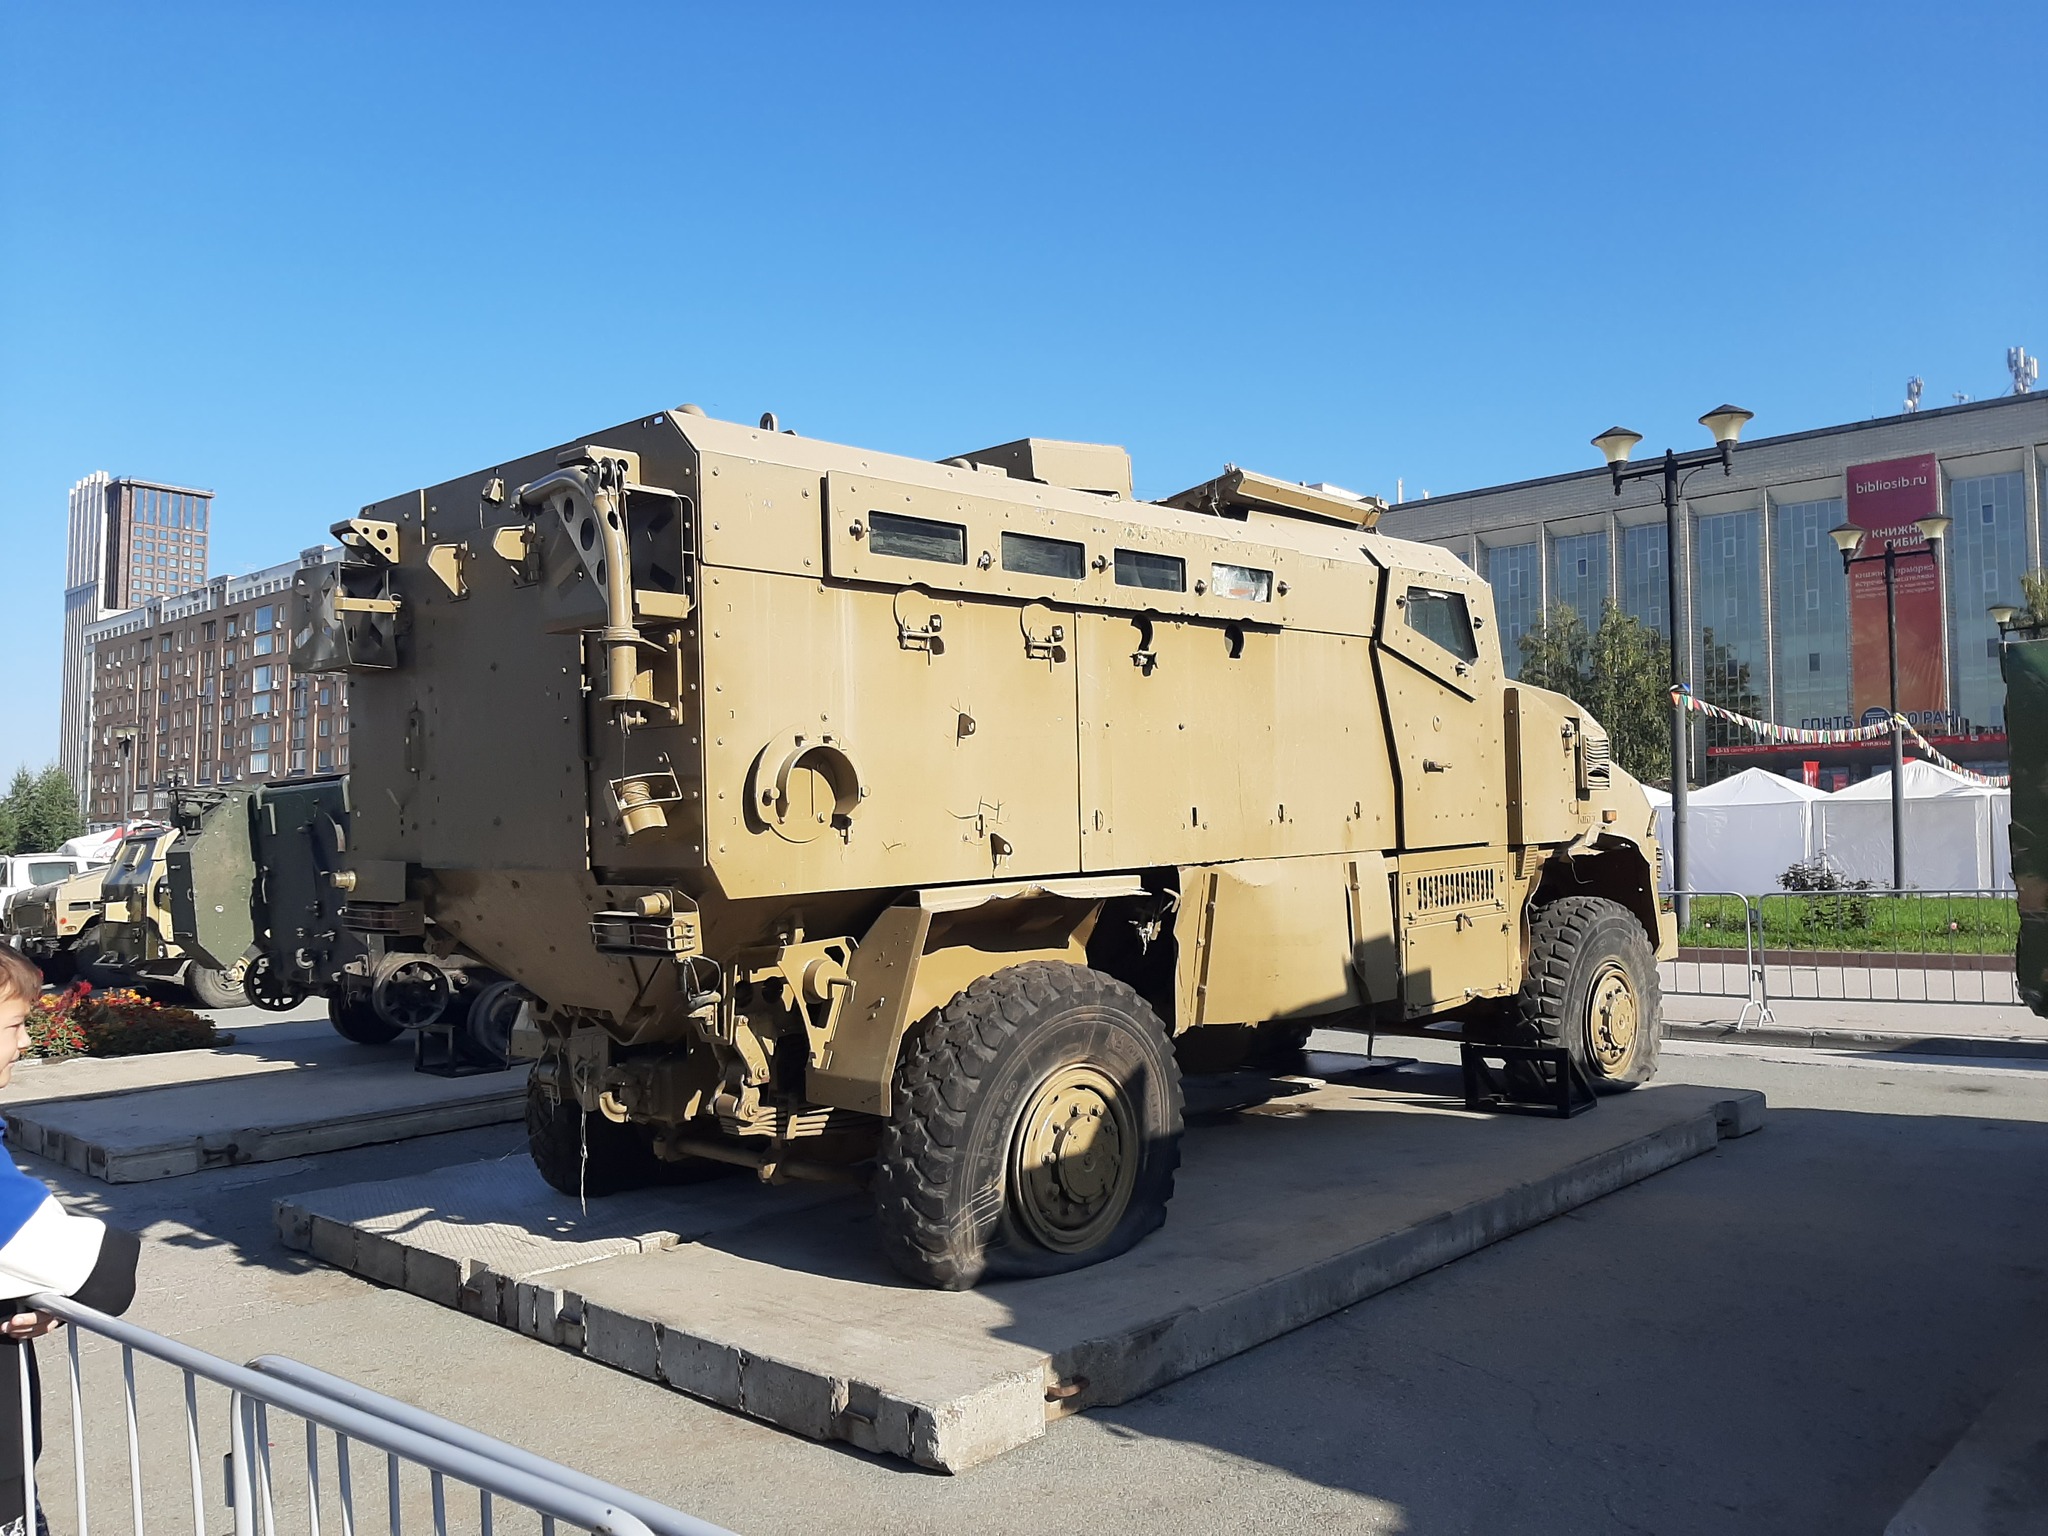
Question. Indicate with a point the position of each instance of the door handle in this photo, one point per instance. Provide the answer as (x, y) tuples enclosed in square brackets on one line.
[(1431, 765)]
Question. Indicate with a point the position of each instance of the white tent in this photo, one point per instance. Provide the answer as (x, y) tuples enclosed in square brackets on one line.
[(1956, 831), (1746, 831)]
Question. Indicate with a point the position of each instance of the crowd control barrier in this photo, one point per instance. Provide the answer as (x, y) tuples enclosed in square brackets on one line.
[(370, 1464)]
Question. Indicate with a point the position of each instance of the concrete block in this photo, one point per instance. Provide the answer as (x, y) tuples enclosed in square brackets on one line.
[(487, 1295), (1739, 1114), (629, 1343), (180, 1124), (330, 1241), (380, 1259), (435, 1276), (702, 1367)]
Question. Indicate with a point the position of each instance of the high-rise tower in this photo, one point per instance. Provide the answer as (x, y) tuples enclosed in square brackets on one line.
[(130, 541)]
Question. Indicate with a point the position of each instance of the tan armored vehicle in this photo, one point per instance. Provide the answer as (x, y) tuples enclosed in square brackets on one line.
[(838, 806), (137, 941), (57, 925)]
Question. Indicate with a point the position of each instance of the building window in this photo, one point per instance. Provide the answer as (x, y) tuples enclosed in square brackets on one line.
[(1729, 652), (1812, 599), (1578, 574), (259, 762), (1985, 554), (1516, 578), (1644, 590)]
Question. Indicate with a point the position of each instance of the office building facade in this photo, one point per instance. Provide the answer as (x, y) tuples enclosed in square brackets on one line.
[(1770, 623)]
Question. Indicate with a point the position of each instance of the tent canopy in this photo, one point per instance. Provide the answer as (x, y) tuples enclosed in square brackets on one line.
[(1923, 781), (1757, 786)]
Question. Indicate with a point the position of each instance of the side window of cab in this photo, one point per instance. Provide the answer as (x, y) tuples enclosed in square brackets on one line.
[(1440, 627)]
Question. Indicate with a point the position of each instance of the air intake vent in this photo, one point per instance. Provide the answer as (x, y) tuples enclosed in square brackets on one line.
[(1599, 762), (1446, 890)]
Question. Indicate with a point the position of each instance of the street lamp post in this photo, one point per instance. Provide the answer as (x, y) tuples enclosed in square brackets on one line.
[(1674, 469), (1848, 539)]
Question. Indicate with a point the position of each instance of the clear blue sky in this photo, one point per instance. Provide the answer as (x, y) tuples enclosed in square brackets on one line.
[(309, 256)]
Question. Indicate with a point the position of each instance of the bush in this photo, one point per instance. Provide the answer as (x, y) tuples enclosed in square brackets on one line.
[(82, 1022), (1840, 904)]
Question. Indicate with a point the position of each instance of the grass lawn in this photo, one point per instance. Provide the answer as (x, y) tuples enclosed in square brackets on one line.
[(1853, 920)]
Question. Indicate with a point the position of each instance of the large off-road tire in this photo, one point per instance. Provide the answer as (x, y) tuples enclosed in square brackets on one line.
[(1036, 1129), (355, 1020), (586, 1154), (212, 989), (1274, 1046), (1591, 986)]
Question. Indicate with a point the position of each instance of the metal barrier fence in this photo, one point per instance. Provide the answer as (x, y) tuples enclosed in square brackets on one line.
[(1872, 945), (414, 1455)]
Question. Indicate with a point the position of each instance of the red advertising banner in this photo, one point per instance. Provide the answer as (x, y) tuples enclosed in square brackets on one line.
[(1885, 500)]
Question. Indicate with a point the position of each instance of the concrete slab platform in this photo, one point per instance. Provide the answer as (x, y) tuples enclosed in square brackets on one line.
[(776, 1303), (1995, 1480), (283, 1091)]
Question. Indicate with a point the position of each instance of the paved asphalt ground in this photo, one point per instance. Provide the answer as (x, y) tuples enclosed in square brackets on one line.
[(1782, 1336)]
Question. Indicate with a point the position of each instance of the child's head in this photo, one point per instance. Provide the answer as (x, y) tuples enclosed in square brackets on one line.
[(20, 985)]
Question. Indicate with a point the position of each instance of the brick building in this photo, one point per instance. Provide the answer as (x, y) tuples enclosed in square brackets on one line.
[(197, 688)]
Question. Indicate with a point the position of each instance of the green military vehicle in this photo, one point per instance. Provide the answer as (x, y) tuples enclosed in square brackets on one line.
[(845, 811), (2024, 660), (253, 888)]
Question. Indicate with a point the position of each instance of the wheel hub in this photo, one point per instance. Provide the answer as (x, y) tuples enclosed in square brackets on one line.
[(1075, 1159), (1611, 1016)]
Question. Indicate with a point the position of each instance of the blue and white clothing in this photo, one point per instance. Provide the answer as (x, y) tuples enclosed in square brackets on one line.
[(44, 1247)]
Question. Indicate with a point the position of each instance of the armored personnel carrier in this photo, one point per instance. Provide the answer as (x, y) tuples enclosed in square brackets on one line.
[(843, 809), (137, 943)]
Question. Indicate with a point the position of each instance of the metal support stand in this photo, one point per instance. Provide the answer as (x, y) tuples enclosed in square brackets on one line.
[(1566, 1090), (437, 1051)]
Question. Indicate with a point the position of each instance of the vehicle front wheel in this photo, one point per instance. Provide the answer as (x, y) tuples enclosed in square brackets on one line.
[(1591, 986), (210, 987), (1035, 1129)]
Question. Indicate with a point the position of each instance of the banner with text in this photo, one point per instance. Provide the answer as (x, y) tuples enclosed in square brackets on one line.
[(1885, 500)]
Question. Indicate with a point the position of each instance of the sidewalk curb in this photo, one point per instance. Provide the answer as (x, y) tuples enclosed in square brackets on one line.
[(1891, 1042)]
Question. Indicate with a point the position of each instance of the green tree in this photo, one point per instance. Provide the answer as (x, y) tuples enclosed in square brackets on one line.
[(1618, 672), (13, 809), (42, 809)]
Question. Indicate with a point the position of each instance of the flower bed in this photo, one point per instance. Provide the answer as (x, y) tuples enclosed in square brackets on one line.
[(80, 1021)]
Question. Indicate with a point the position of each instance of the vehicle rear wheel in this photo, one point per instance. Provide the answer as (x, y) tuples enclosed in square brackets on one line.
[(210, 987), (486, 1033), (1591, 986), (581, 1153), (354, 1019), (1036, 1129)]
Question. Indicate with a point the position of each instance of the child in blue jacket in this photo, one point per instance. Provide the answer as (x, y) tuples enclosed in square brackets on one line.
[(43, 1247)]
